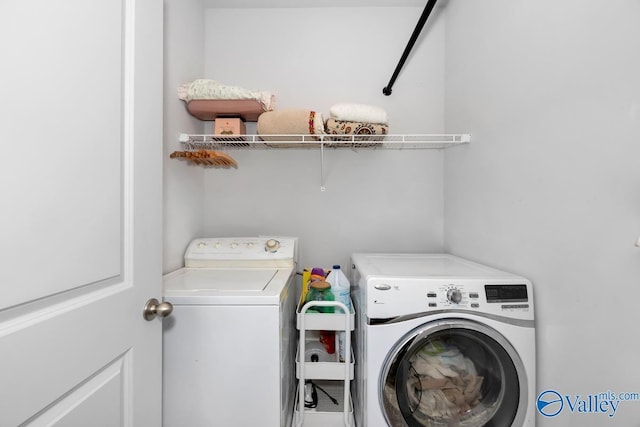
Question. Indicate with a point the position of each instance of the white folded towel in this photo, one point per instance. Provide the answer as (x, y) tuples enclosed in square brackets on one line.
[(359, 113)]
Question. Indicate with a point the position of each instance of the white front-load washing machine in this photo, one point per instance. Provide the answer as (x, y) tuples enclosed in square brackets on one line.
[(229, 345), (441, 341)]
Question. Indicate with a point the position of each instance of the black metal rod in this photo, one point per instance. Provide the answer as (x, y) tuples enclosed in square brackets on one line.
[(416, 32)]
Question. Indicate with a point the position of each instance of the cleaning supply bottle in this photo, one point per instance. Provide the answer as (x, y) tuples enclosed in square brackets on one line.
[(306, 278), (321, 291), (314, 275), (341, 289)]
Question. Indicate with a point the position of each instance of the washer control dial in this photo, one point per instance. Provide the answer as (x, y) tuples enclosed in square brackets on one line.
[(272, 245), (454, 295)]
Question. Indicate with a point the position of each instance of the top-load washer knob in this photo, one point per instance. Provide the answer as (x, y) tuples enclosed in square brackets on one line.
[(272, 245), (454, 295)]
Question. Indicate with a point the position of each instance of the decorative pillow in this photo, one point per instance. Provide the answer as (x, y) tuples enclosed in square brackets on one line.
[(361, 131)]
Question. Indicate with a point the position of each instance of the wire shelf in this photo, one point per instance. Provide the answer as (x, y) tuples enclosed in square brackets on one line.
[(426, 141), (191, 142)]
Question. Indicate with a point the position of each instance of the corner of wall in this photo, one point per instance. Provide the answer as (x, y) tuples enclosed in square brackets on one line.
[(183, 62)]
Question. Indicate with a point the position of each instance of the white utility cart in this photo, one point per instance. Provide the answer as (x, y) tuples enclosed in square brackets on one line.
[(332, 375)]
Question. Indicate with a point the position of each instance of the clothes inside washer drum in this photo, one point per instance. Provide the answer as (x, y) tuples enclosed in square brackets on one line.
[(441, 386), (445, 384), (391, 406)]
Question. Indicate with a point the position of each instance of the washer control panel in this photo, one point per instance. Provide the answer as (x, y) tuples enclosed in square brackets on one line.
[(261, 251), (398, 297), (453, 295)]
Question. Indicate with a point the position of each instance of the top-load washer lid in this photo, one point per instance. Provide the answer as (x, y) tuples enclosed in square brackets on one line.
[(226, 286), (422, 265)]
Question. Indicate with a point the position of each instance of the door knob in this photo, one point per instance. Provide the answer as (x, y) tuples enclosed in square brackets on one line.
[(155, 308)]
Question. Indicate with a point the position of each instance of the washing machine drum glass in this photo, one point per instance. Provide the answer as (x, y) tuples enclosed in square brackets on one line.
[(454, 372)]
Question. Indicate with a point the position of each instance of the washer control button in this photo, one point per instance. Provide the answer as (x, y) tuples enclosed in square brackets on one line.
[(431, 295), (382, 287), (473, 295)]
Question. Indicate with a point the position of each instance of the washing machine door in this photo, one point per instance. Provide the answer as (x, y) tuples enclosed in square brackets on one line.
[(453, 372)]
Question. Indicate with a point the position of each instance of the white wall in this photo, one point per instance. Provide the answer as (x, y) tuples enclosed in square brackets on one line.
[(183, 184), (550, 186), (313, 58)]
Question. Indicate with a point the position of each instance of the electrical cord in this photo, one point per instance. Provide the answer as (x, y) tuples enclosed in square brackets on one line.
[(335, 401), (311, 394)]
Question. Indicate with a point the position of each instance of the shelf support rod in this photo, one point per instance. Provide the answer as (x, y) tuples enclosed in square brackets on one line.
[(322, 187), (407, 50)]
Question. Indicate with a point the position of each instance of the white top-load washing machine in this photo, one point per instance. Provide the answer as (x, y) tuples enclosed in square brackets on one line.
[(229, 346), (441, 341)]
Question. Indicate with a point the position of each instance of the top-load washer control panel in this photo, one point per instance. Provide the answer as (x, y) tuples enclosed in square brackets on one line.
[(261, 251)]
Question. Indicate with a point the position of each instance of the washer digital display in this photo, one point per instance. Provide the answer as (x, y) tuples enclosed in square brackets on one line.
[(506, 293)]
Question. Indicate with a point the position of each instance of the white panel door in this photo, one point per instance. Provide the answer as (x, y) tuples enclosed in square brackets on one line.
[(80, 223)]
